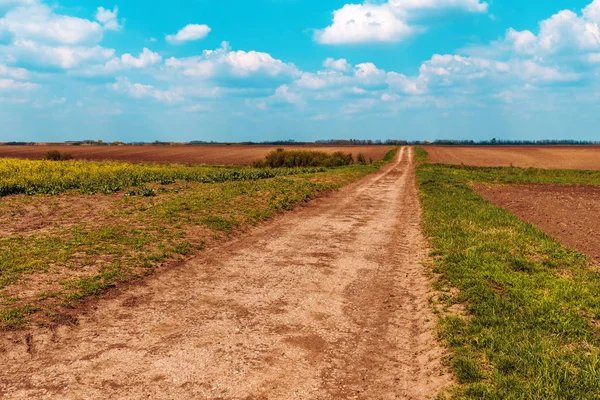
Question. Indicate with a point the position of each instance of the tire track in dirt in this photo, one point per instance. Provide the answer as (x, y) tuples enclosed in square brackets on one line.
[(328, 302)]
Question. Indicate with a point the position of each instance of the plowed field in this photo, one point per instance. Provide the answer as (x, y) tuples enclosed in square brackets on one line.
[(549, 157), (570, 213), (209, 155)]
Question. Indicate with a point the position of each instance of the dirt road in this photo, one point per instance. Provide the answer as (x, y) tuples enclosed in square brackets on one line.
[(327, 302)]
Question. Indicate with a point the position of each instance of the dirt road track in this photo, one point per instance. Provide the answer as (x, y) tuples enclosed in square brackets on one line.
[(328, 302)]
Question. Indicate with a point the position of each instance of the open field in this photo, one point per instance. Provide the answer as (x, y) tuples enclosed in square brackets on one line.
[(149, 280), (199, 154), (548, 157), (519, 310), (328, 302), (74, 229), (570, 213)]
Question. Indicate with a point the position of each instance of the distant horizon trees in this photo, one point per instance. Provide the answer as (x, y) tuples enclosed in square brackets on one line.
[(330, 142)]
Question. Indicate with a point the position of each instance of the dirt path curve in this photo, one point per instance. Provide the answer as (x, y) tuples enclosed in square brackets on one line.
[(328, 302)]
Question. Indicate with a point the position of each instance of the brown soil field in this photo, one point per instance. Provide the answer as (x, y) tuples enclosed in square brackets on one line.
[(548, 157), (209, 155), (570, 213), (326, 302)]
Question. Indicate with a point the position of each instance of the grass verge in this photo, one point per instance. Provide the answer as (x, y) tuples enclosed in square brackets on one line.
[(521, 311)]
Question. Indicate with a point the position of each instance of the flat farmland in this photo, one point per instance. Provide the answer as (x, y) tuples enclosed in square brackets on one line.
[(392, 279), (206, 155), (328, 301), (547, 157)]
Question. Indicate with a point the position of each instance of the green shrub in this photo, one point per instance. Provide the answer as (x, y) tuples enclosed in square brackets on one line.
[(55, 155), (281, 158)]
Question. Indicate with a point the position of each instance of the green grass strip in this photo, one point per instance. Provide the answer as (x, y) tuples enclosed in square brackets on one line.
[(529, 329)]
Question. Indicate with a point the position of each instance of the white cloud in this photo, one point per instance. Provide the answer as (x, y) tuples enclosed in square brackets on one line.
[(521, 68), (564, 34), (40, 38), (402, 84), (64, 57), (283, 96), (389, 97), (592, 11), (126, 61), (16, 73), (530, 71), (145, 59), (226, 65), (406, 6), (138, 90), (452, 70), (108, 18), (38, 23), (337, 65), (390, 21), (16, 2), (355, 23), (11, 84), (189, 32), (311, 81)]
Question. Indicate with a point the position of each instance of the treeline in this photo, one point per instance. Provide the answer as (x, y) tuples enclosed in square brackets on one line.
[(332, 142), (501, 142)]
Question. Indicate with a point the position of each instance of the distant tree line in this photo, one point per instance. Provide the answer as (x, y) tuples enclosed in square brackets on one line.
[(331, 142), (501, 142)]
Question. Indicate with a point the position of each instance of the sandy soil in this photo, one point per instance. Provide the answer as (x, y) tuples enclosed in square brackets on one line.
[(549, 157), (210, 155), (570, 213), (327, 302)]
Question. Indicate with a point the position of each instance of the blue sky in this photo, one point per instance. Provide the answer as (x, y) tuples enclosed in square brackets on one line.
[(299, 69)]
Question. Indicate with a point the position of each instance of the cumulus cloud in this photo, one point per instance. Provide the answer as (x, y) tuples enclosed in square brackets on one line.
[(188, 33), (311, 81), (38, 37), (562, 54), (108, 18), (283, 97), (126, 61), (407, 6), (565, 37), (11, 84), (225, 65), (138, 90), (145, 58), (592, 11), (391, 21), (355, 23), (37, 22), (337, 65), (32, 54)]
